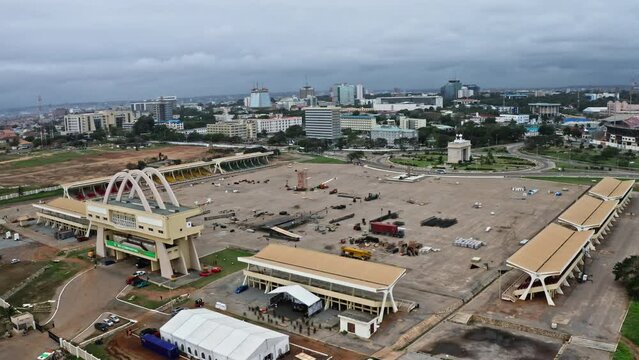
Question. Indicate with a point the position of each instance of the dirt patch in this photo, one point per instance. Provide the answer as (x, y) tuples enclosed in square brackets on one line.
[(128, 347), (95, 165), (476, 342), (13, 274)]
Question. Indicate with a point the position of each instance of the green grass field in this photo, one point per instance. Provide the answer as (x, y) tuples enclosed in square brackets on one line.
[(630, 327), (42, 195), (54, 158), (227, 259), (622, 353), (567, 179), (137, 296), (43, 287), (322, 160), (98, 351)]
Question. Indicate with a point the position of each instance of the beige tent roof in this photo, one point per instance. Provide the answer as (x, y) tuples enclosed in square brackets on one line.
[(550, 251), (588, 211), (363, 273), (611, 188), (69, 205)]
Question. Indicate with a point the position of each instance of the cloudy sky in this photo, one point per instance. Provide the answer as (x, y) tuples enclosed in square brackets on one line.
[(73, 51)]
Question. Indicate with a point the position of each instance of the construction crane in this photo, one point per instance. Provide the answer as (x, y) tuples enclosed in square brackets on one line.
[(324, 184)]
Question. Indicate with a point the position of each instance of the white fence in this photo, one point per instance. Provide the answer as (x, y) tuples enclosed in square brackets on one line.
[(29, 192), (76, 351)]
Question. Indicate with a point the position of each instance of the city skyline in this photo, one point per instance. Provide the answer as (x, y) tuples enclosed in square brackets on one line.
[(191, 52)]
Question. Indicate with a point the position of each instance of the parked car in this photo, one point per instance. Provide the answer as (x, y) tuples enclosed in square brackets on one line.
[(109, 261), (139, 273), (177, 310), (142, 263), (101, 326), (241, 289), (15, 261), (45, 355), (114, 318), (107, 321), (204, 273), (216, 269)]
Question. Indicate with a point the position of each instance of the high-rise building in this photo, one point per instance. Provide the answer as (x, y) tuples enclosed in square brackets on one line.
[(449, 91), (87, 123), (260, 98), (474, 87), (359, 92), (344, 94), (322, 123), (161, 109), (306, 91), (465, 92)]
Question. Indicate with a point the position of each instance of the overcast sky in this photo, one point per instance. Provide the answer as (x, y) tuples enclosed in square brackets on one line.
[(74, 51)]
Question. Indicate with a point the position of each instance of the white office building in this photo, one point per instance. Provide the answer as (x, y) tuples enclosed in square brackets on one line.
[(359, 92), (358, 122), (520, 119), (277, 124), (392, 133), (322, 123), (209, 335), (412, 123)]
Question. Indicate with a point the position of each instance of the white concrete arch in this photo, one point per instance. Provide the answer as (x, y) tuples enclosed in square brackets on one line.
[(126, 177), (136, 175), (153, 171)]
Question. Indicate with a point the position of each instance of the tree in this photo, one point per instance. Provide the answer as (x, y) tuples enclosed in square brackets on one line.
[(279, 138), (380, 143), (627, 271), (355, 155), (144, 125), (609, 152), (546, 129), (295, 131)]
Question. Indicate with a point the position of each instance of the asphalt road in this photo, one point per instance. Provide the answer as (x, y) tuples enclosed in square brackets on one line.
[(542, 166)]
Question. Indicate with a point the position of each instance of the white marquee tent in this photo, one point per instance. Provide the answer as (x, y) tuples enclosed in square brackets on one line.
[(302, 296), (209, 335)]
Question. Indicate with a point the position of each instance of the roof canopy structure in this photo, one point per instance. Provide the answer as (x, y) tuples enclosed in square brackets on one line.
[(550, 251), (299, 293), (588, 212), (367, 276), (611, 189), (219, 334), (65, 206)]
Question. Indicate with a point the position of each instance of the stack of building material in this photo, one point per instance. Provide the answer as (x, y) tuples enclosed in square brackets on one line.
[(468, 243)]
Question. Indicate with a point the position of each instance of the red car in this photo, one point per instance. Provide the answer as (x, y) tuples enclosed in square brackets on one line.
[(213, 270)]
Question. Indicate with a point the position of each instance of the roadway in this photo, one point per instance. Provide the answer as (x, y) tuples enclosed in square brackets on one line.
[(542, 167)]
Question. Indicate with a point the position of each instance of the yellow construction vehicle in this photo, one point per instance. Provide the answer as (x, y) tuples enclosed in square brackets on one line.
[(356, 253)]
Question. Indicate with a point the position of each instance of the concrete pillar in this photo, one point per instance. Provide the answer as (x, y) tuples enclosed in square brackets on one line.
[(392, 299), (166, 270), (119, 255), (559, 291), (380, 316), (100, 248), (523, 296), (155, 266), (547, 293), (194, 262)]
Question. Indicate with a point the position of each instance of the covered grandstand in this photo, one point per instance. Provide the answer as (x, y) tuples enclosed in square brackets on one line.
[(613, 189), (590, 213), (174, 174), (552, 256), (342, 283), (64, 214)]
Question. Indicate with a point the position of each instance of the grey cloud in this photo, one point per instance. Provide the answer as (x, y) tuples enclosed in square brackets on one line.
[(71, 51)]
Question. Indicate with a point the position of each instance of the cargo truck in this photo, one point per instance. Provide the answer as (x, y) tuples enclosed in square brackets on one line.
[(386, 229), (356, 253), (159, 346)]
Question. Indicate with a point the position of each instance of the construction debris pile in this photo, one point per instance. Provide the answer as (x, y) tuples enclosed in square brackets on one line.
[(439, 222)]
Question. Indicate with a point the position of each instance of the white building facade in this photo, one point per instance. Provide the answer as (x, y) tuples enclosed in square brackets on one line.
[(519, 119), (323, 123), (392, 133), (277, 124), (209, 335)]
